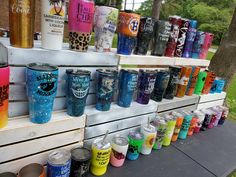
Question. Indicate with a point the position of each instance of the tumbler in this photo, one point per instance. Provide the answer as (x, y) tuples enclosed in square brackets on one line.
[(146, 82), (161, 125), (52, 23), (7, 174), (161, 84), (197, 44), (172, 42), (41, 88), (183, 83), (21, 23), (185, 126), (200, 118), (149, 133), (192, 126), (101, 152), (105, 88), (218, 85), (118, 151), (161, 36), (225, 112), (80, 24), (206, 45), (4, 93), (171, 122), (136, 140), (105, 24), (182, 36), (80, 162), (200, 83), (145, 35), (127, 84), (192, 80), (213, 119), (128, 25), (59, 163), (208, 83), (179, 120), (218, 113), (171, 89), (207, 119), (32, 169), (78, 82), (191, 34)]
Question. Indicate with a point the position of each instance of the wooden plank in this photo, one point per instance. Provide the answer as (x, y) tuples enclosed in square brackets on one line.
[(19, 56), (185, 108), (177, 103), (101, 129), (212, 97), (210, 104), (18, 150), (41, 158), (116, 112), (21, 129), (21, 108), (191, 62)]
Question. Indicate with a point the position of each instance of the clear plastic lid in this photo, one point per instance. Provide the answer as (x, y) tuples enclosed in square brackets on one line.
[(80, 154), (136, 135), (121, 141), (42, 67), (59, 157), (99, 144)]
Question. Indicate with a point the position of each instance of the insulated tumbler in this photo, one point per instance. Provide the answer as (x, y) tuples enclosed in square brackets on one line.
[(218, 85), (200, 118), (4, 93), (192, 80), (197, 44), (179, 121), (185, 125), (78, 82), (7, 174), (149, 133), (171, 122), (208, 83), (207, 119), (33, 169), (206, 45), (183, 82), (200, 83), (192, 126), (127, 84), (105, 88), (225, 112), (41, 88), (218, 113)]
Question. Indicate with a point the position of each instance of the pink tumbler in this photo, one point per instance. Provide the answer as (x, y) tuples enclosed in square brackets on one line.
[(206, 45)]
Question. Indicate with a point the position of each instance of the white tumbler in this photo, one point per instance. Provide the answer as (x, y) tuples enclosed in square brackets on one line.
[(149, 133)]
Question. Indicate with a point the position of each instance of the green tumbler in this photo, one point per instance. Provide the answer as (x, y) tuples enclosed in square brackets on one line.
[(200, 82)]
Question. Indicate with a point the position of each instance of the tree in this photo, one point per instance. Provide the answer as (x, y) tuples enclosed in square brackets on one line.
[(156, 9), (224, 62)]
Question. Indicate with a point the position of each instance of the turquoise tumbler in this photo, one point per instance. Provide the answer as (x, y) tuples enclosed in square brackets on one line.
[(185, 126)]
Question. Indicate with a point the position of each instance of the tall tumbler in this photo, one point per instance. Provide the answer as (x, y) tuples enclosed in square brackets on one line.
[(198, 44), (21, 23), (191, 34), (105, 88), (225, 112), (41, 88), (161, 36), (145, 35), (52, 23), (200, 82), (192, 80), (172, 42), (171, 89), (192, 126), (80, 15), (128, 25), (146, 82), (207, 119), (4, 92), (161, 84), (78, 82), (209, 81), (206, 45), (171, 122), (218, 85), (185, 126), (183, 83), (149, 133), (200, 118), (105, 24), (179, 121), (182, 36), (127, 84)]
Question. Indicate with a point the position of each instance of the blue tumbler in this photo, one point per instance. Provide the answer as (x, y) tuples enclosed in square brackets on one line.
[(41, 88), (78, 82), (126, 44), (217, 86), (197, 44), (185, 126), (127, 84), (105, 87)]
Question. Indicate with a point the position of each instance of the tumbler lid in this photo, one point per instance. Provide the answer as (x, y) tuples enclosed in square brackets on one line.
[(157, 121), (31, 170), (101, 145), (59, 157), (107, 71), (136, 135), (42, 67), (3, 65), (148, 128), (121, 141), (8, 174), (81, 154), (78, 72)]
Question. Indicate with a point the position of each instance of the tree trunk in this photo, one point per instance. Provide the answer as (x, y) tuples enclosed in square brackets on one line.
[(156, 8), (224, 61)]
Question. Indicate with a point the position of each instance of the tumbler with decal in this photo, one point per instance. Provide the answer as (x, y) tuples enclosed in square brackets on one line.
[(32, 169), (105, 24), (171, 122), (179, 120), (198, 44), (192, 80), (128, 25), (78, 82), (213, 118), (192, 126), (206, 45), (41, 88), (184, 79), (127, 84), (80, 24), (200, 82), (105, 86), (218, 112), (225, 112), (52, 23), (136, 140), (208, 83), (218, 85), (207, 119), (145, 35), (200, 118), (162, 31), (118, 151), (185, 125), (4, 92), (146, 82), (21, 23)]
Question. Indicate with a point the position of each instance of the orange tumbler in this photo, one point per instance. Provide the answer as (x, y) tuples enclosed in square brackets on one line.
[(192, 81), (183, 83), (209, 81), (31, 170), (192, 126), (179, 121)]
